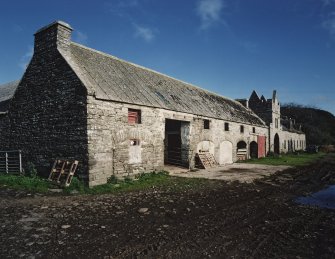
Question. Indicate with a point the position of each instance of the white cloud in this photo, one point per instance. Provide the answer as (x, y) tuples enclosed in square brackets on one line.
[(210, 12), (25, 59), (144, 33), (329, 24), (80, 37)]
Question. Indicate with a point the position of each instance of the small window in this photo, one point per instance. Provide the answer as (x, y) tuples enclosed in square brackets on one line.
[(134, 116), (134, 142), (206, 124), (242, 129), (253, 130), (226, 126)]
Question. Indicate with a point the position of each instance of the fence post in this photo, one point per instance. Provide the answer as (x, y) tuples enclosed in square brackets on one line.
[(6, 162)]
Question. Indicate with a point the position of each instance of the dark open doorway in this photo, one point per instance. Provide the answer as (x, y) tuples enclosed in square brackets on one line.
[(253, 149), (276, 145), (241, 151), (177, 142)]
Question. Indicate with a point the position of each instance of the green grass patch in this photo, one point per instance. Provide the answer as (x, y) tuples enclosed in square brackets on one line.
[(142, 182), (31, 184), (298, 159)]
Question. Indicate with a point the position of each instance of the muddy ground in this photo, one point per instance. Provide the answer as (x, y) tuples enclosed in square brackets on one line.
[(220, 220), (242, 172)]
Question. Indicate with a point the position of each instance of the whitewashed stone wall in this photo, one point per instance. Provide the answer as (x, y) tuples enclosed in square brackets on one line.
[(109, 136), (298, 140)]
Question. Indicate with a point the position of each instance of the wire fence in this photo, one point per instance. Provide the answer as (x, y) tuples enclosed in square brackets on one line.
[(11, 162)]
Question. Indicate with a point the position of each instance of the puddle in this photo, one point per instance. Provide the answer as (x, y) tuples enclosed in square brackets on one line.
[(323, 199)]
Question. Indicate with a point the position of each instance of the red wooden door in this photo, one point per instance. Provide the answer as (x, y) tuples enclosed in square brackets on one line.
[(261, 140)]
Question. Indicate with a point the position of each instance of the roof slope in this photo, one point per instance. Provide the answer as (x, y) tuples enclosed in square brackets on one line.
[(6, 93), (117, 80)]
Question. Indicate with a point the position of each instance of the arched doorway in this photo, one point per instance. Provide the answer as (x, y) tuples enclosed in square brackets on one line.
[(241, 151), (253, 149), (206, 146), (226, 153), (203, 147), (276, 145)]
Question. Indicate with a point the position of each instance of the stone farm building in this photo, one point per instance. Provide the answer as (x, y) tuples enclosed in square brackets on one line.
[(118, 118)]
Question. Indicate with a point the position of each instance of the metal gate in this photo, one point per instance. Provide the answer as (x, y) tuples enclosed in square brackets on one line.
[(11, 162), (178, 156)]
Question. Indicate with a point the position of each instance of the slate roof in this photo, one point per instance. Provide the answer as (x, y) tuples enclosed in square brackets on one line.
[(6, 93), (110, 78)]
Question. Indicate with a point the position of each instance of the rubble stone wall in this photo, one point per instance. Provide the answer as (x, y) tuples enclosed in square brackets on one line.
[(47, 115), (110, 134), (4, 124)]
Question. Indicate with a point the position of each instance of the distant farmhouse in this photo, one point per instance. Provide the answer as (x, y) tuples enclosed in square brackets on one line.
[(118, 118)]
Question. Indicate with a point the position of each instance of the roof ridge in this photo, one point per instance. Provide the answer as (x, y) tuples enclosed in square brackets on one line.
[(154, 71)]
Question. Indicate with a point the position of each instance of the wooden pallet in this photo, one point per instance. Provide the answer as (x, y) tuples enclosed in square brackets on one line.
[(63, 171), (207, 160), (242, 154)]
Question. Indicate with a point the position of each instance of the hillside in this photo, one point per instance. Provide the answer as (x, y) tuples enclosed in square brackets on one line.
[(319, 125)]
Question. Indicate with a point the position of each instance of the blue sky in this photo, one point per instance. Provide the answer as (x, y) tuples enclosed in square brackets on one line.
[(230, 47)]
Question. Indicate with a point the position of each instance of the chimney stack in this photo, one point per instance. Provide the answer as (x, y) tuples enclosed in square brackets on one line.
[(56, 35)]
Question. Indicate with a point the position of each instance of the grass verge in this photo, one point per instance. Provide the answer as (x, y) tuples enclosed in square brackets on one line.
[(142, 182), (31, 184), (298, 159)]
